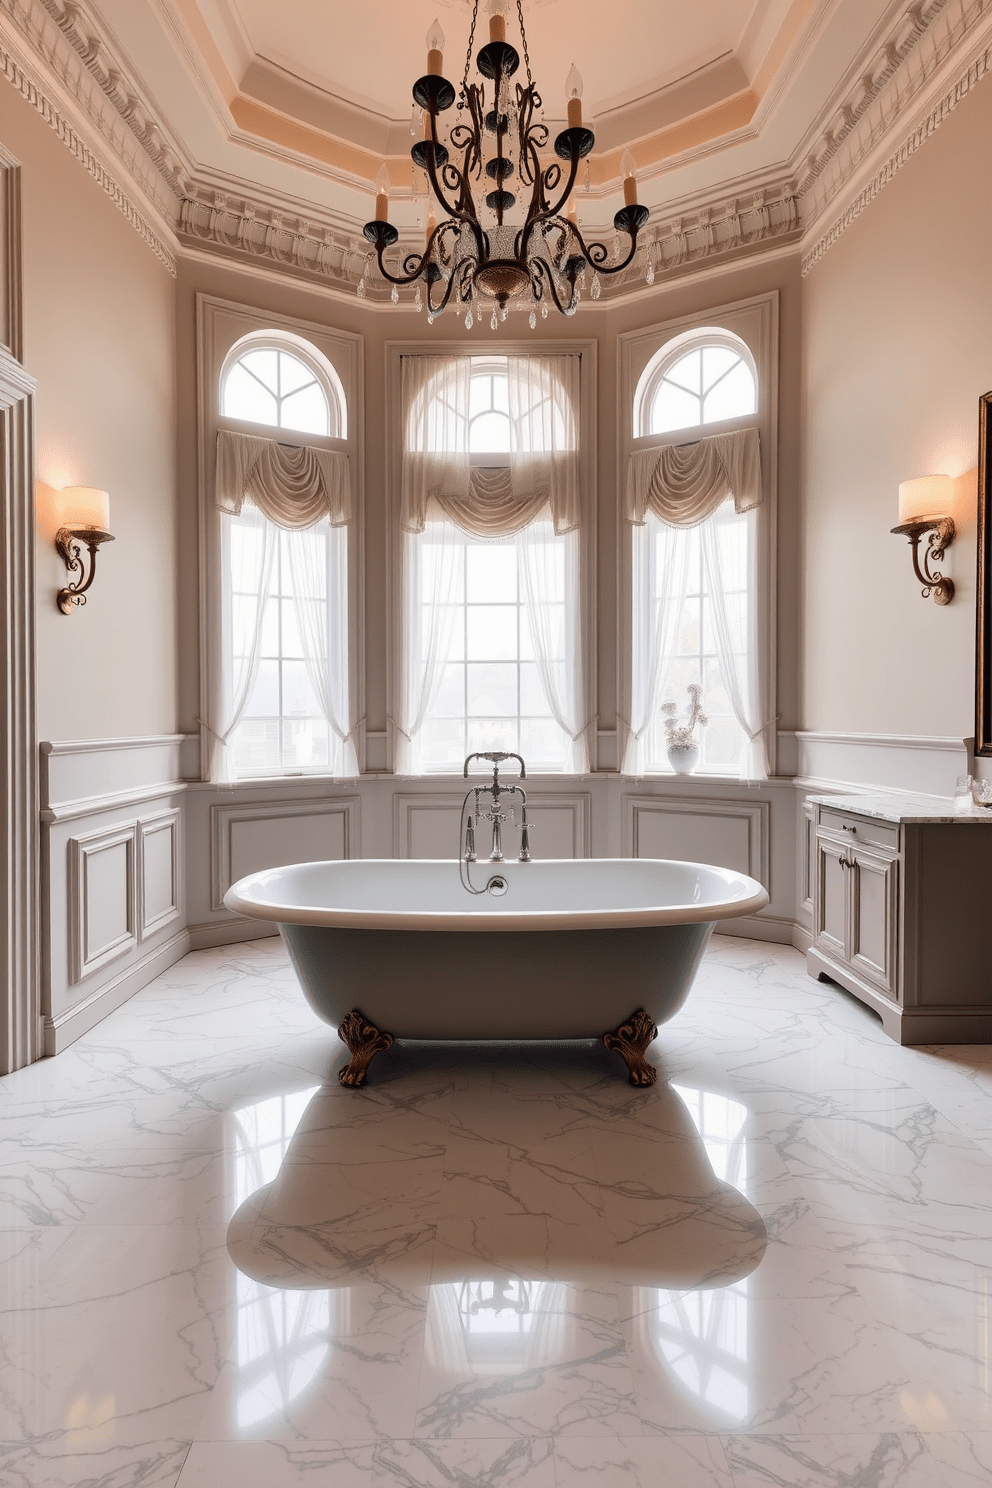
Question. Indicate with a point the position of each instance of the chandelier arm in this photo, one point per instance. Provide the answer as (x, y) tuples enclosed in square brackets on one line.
[(435, 186), (400, 279), (544, 271), (548, 212), (449, 286), (598, 253)]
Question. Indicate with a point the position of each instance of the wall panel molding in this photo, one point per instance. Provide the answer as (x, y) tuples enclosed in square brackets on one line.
[(20, 851), (160, 882), (102, 898), (64, 1028), (746, 829), (235, 849), (922, 764), (426, 824), (11, 265)]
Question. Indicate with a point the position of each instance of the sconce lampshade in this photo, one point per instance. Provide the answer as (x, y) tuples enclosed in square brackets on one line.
[(83, 508), (926, 496)]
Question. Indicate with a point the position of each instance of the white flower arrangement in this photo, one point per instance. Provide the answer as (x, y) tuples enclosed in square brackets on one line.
[(681, 735)]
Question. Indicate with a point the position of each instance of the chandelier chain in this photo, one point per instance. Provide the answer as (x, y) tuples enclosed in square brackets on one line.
[(523, 38), (468, 54)]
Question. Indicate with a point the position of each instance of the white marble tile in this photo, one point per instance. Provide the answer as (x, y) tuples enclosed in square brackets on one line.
[(892, 1460), (84, 1460), (514, 1357), (112, 1336), (642, 1462), (390, 1463)]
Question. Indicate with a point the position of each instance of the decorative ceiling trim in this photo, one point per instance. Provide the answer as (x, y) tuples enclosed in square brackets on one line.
[(842, 156), (39, 100), (894, 164)]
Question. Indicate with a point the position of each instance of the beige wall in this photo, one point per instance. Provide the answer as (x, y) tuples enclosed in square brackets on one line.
[(898, 350), (99, 336), (377, 326)]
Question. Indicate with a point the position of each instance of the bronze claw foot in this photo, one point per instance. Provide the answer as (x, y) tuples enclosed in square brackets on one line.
[(630, 1041), (364, 1042)]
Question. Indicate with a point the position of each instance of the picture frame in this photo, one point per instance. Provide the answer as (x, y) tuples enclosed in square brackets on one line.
[(983, 648)]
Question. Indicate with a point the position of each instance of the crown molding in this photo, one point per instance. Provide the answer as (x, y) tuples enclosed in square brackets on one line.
[(65, 68), (910, 75), (893, 100)]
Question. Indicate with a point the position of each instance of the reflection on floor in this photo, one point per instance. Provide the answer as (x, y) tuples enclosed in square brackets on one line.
[(497, 1267)]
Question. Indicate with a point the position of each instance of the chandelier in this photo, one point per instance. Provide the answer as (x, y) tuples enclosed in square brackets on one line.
[(494, 147)]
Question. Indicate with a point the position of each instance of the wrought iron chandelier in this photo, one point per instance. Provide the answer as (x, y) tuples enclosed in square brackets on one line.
[(497, 139)]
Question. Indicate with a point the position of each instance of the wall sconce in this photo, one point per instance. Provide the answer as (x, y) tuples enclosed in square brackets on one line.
[(923, 504), (84, 518)]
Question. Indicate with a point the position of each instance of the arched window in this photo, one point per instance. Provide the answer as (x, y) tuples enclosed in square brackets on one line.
[(285, 592), (704, 377), (694, 615), (490, 613), (283, 383)]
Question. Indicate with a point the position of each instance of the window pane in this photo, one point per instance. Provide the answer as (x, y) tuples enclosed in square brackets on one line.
[(492, 690), (492, 632), (532, 699), (256, 747), (734, 397), (270, 627), (293, 374), (264, 702), (480, 394), (245, 398), (298, 696), (450, 700), (491, 572), (542, 743), (489, 434), (304, 743), (292, 645), (687, 372), (264, 366), (501, 393), (305, 411), (491, 733), (444, 742), (717, 362), (673, 409)]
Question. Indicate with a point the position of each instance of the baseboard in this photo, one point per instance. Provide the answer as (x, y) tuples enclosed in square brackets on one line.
[(62, 1031), (758, 927), (802, 938), (228, 932)]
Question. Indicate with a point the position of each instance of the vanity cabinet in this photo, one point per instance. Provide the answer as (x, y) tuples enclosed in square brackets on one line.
[(902, 913)]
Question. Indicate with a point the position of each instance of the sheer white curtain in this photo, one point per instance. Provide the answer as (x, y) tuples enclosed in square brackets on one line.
[(660, 582), (247, 552), (549, 582), (262, 488), (318, 558), (670, 490), (433, 585)]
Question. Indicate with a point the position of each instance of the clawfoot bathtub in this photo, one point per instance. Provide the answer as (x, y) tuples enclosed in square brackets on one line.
[(570, 949)]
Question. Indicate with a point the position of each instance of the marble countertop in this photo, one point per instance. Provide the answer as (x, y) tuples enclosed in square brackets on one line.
[(908, 809)]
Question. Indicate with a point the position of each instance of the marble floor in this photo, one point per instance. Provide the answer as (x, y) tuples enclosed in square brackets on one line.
[(499, 1267)]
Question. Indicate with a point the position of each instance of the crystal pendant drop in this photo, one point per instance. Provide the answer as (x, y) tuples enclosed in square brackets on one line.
[(469, 319), (596, 289), (544, 312), (430, 319), (361, 288), (616, 245), (649, 276), (503, 313), (395, 296), (419, 302), (532, 319), (493, 323)]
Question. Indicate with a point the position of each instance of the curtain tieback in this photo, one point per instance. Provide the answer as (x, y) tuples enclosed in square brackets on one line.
[(759, 731), (221, 738), (399, 728)]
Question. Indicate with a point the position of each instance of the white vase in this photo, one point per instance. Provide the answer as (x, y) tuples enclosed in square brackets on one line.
[(683, 761)]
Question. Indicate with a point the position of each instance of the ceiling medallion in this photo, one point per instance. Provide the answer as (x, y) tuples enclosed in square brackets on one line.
[(498, 136)]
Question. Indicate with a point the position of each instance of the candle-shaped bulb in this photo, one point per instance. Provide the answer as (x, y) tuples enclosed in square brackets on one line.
[(571, 214), (435, 49), (497, 20), (628, 166), (573, 92), (382, 184)]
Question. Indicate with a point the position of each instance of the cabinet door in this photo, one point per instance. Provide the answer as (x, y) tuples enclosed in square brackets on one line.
[(874, 909), (830, 922)]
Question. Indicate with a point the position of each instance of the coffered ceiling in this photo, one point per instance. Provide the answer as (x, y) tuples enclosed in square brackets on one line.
[(249, 126)]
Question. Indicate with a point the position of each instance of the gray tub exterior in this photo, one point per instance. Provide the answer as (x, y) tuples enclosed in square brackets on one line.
[(542, 984)]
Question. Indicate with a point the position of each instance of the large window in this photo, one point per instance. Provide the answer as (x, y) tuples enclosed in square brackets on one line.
[(694, 597), (491, 644), (284, 588)]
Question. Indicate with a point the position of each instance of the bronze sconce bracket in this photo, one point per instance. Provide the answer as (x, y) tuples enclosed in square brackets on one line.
[(942, 532), (68, 541)]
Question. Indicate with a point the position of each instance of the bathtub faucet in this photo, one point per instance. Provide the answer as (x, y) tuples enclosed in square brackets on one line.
[(495, 814)]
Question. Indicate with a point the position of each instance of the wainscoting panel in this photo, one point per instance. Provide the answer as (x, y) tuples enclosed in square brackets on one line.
[(726, 833), (159, 872), (268, 834), (103, 892), (427, 826)]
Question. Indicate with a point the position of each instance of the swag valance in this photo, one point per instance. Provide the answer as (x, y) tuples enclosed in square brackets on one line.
[(683, 484), (439, 479), (292, 485)]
